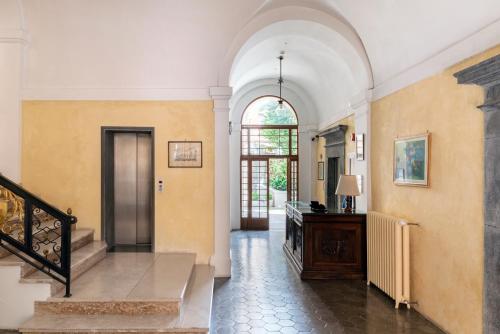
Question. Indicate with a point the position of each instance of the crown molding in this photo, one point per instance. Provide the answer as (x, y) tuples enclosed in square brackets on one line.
[(14, 36), (471, 45), (115, 93)]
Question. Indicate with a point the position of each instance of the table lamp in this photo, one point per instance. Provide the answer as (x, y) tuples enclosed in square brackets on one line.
[(348, 186)]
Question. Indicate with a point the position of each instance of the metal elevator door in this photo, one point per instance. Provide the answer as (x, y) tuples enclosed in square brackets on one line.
[(132, 188)]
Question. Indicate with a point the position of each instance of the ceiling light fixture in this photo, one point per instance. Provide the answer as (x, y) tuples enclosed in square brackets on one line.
[(280, 82)]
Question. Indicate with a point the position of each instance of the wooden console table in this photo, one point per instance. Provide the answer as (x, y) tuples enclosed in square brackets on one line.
[(329, 245)]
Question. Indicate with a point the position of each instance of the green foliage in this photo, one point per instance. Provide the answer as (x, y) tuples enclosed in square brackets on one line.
[(274, 115), (255, 196), (277, 171)]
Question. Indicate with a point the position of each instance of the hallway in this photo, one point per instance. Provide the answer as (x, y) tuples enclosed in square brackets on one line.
[(264, 295)]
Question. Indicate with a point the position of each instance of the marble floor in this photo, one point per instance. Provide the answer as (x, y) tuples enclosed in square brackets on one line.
[(135, 276), (277, 219), (265, 295)]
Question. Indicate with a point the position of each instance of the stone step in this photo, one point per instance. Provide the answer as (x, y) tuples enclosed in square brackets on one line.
[(127, 284), (4, 253), (82, 260), (194, 317), (79, 238)]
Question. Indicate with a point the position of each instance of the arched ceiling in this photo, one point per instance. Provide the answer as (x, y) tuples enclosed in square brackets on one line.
[(317, 59), (400, 34), (398, 38)]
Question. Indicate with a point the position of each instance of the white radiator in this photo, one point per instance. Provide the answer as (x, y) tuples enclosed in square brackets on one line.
[(389, 255)]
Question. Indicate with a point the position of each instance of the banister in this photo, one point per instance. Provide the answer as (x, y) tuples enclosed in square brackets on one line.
[(37, 232)]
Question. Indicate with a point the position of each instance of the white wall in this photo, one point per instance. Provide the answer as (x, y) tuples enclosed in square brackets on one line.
[(362, 167), (10, 109), (17, 300), (12, 43)]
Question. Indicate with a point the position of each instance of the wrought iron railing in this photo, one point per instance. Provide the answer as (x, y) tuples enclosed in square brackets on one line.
[(36, 232)]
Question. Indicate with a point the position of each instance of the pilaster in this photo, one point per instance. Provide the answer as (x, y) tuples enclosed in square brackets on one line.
[(222, 229), (487, 75)]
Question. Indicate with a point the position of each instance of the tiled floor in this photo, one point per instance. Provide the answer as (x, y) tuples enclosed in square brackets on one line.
[(264, 295), (277, 219)]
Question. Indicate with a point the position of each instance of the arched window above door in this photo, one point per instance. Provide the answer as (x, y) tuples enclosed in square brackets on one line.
[(266, 111), (269, 158)]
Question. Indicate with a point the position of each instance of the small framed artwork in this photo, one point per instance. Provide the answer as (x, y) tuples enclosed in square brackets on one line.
[(185, 154), (321, 170), (411, 160), (360, 146)]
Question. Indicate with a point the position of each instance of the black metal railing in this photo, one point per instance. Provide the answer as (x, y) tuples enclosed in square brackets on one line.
[(36, 231)]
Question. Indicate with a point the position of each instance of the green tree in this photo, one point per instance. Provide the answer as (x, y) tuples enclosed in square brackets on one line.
[(277, 177), (278, 116)]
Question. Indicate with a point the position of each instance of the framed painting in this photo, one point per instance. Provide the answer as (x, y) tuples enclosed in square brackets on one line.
[(411, 160), (185, 154)]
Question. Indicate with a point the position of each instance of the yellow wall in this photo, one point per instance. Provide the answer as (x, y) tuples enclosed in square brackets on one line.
[(61, 161), (447, 250), (350, 147)]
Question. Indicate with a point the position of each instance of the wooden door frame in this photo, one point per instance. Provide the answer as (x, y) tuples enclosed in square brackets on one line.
[(251, 223), (246, 223)]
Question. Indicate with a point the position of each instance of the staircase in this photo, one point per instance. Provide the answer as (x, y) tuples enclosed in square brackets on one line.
[(132, 293), (44, 257), (85, 253)]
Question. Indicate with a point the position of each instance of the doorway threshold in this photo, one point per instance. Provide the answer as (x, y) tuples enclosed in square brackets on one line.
[(130, 249)]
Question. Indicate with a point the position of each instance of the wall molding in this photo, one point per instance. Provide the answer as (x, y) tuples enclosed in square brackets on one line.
[(14, 36), (221, 96), (115, 93), (475, 43)]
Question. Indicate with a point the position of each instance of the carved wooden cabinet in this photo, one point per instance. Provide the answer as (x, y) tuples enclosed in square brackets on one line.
[(329, 245)]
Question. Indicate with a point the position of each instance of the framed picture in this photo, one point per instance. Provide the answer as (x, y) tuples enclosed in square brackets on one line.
[(321, 170), (411, 160), (360, 146), (185, 154)]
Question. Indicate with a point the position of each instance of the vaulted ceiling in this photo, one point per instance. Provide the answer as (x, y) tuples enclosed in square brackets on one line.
[(399, 34), (396, 37), (133, 49)]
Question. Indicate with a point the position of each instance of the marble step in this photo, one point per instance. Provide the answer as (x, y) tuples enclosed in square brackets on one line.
[(79, 238), (194, 316), (4, 253), (127, 284), (82, 260)]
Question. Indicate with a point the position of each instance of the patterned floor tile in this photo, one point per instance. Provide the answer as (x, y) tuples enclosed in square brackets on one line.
[(265, 295)]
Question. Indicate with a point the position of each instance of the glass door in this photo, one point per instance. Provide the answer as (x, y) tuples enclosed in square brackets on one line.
[(255, 194)]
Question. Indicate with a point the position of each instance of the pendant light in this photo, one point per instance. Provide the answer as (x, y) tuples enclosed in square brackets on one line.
[(281, 107)]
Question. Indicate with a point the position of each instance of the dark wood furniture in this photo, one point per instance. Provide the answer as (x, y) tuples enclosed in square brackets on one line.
[(329, 245)]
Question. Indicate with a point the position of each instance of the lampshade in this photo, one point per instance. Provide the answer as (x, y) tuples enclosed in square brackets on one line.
[(348, 185)]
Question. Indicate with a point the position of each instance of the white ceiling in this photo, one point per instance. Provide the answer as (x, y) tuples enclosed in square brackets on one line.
[(399, 34), (317, 59), (161, 49)]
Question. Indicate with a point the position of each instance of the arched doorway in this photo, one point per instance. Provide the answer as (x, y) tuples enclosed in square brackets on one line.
[(269, 160)]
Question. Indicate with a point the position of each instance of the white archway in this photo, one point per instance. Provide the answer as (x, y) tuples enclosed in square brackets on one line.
[(278, 11), (337, 40)]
